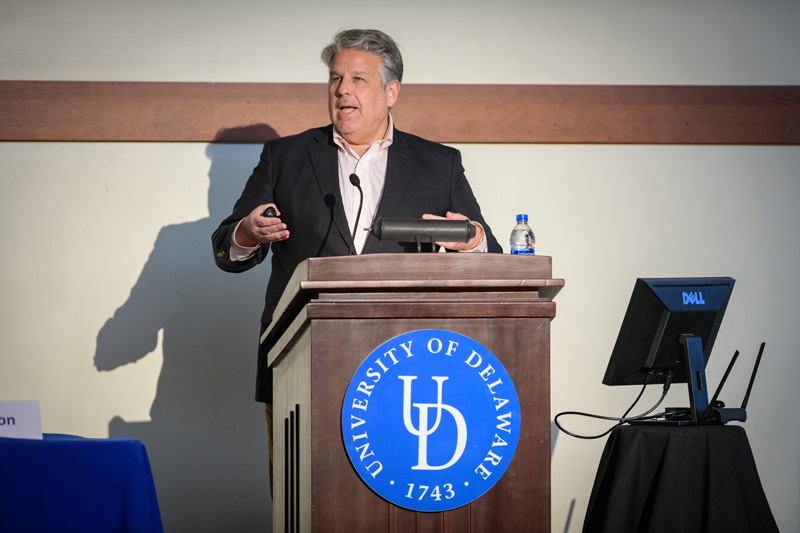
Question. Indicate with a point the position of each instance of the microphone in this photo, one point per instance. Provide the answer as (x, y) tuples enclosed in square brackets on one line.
[(422, 230), (357, 183)]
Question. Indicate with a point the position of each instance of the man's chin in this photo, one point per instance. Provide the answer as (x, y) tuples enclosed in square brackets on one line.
[(345, 127)]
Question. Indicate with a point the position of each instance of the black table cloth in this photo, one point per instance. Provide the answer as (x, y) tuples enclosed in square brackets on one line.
[(678, 479)]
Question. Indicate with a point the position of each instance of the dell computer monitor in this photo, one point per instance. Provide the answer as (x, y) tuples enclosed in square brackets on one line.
[(660, 311)]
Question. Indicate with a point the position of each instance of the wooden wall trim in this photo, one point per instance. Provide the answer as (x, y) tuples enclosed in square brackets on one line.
[(254, 112)]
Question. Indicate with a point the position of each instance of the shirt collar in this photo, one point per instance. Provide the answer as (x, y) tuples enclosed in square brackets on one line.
[(383, 144)]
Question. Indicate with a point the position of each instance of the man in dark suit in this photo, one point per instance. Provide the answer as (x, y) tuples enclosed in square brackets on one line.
[(305, 178)]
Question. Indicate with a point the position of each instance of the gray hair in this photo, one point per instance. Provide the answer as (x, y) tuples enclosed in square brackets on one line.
[(374, 42)]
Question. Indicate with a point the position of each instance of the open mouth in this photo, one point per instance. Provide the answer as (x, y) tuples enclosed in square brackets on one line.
[(346, 109)]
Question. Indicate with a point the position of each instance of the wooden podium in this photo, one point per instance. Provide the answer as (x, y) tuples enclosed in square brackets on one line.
[(336, 311)]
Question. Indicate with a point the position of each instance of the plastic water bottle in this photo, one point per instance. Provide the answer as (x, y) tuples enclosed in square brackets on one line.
[(522, 239)]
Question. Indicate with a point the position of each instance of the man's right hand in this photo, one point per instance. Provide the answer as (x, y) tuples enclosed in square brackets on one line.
[(256, 228)]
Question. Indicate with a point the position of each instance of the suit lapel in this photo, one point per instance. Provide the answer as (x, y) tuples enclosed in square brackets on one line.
[(399, 169), (325, 162)]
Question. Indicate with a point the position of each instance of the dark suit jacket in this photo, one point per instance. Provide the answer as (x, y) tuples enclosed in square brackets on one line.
[(300, 175)]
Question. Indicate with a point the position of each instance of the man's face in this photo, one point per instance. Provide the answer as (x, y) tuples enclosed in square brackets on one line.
[(357, 101)]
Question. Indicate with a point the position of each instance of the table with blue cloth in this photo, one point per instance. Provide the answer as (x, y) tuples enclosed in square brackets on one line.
[(66, 483), (660, 478)]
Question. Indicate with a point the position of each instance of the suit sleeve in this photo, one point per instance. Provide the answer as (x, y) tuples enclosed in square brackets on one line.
[(259, 190), (463, 201)]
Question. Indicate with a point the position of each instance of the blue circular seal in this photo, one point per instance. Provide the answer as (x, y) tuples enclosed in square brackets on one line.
[(431, 420)]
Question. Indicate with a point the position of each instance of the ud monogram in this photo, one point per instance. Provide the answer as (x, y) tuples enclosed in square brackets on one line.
[(431, 420), (423, 431)]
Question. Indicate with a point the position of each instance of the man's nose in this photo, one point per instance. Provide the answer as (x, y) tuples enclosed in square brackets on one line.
[(343, 87)]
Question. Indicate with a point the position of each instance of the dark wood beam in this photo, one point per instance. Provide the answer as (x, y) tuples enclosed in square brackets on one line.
[(254, 112)]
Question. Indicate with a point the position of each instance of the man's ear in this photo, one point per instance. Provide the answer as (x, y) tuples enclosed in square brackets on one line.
[(392, 92)]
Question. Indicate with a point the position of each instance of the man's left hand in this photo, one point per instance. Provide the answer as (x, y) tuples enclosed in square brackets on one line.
[(464, 246)]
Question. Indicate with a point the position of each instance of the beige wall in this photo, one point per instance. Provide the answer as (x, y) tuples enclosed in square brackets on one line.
[(106, 246)]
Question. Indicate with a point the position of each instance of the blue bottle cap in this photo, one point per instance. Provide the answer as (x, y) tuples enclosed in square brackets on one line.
[(522, 218)]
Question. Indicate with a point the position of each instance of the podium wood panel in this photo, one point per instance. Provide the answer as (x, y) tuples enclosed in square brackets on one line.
[(318, 352)]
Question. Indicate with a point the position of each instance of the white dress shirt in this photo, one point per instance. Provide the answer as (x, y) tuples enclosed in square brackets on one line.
[(371, 171)]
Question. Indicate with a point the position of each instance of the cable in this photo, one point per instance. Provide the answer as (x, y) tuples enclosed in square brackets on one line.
[(624, 418)]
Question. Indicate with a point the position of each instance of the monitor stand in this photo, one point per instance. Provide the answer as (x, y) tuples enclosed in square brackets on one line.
[(695, 414), (700, 411), (696, 372)]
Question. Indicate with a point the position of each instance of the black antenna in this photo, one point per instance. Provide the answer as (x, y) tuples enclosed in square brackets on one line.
[(753, 376), (713, 403)]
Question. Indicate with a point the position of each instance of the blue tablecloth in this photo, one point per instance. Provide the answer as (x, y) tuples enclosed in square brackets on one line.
[(66, 483)]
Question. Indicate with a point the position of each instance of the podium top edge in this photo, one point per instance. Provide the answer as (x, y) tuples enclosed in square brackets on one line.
[(404, 271), (425, 266), (333, 285)]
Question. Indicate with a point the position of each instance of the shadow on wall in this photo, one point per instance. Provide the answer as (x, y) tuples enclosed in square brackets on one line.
[(207, 438)]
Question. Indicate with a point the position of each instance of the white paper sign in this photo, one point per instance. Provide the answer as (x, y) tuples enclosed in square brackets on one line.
[(20, 420)]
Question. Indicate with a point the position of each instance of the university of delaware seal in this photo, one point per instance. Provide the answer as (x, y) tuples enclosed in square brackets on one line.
[(431, 420)]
